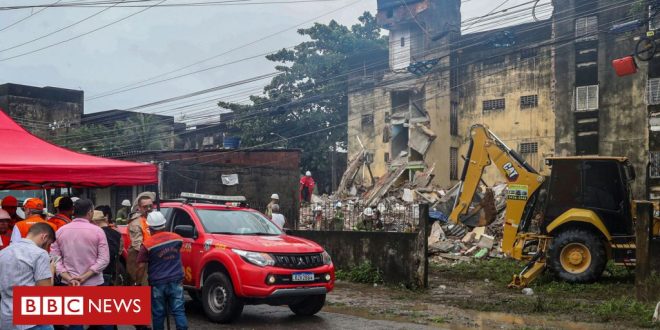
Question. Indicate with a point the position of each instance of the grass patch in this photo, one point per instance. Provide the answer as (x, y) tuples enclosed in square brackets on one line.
[(364, 273), (626, 309), (499, 271)]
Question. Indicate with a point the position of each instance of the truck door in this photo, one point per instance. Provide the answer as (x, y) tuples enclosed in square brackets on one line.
[(190, 248)]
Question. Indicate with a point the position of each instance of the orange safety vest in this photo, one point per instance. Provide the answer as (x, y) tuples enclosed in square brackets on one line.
[(144, 227), (5, 239), (59, 220), (24, 225)]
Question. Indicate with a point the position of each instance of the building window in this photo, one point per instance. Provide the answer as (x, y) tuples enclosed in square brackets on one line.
[(368, 121), (529, 148), (586, 27), (586, 98), (654, 171), (453, 163), (403, 42), (528, 53), (497, 104), (453, 119), (654, 22), (653, 91), (529, 101)]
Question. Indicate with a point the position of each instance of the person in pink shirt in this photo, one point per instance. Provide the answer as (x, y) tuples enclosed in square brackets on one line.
[(83, 248)]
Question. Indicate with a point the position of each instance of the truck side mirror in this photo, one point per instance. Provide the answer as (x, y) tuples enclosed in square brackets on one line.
[(186, 231)]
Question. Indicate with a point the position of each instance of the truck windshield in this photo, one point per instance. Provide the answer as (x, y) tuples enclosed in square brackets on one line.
[(22, 195), (236, 223)]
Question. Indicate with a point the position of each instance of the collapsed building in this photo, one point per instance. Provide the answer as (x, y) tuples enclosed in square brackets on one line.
[(545, 87)]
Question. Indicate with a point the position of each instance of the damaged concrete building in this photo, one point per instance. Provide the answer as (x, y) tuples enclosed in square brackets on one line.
[(546, 88)]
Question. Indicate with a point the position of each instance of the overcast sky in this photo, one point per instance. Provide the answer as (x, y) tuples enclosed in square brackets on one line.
[(159, 40)]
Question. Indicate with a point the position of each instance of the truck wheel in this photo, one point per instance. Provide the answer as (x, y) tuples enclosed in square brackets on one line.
[(308, 306), (577, 256), (218, 299)]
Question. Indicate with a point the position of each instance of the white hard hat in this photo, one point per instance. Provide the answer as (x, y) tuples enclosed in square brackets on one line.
[(308, 173), (274, 196), (74, 199), (368, 212), (4, 214), (156, 219), (125, 202), (381, 207), (25, 201), (318, 208), (20, 213), (338, 205)]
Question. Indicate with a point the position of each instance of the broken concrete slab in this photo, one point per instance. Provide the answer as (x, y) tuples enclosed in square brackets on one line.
[(373, 196), (351, 172), (455, 257), (486, 241), (478, 231), (420, 138), (468, 238), (436, 233), (441, 247)]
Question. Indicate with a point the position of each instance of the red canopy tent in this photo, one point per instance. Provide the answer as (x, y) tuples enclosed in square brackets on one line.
[(28, 162)]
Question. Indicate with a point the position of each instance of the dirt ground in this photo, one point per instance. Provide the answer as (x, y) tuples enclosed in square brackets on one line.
[(474, 295)]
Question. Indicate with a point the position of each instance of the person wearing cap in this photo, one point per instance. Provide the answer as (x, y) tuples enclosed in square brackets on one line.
[(5, 233), (138, 230), (10, 204), (338, 219), (274, 199), (34, 213), (114, 240), (160, 256), (306, 187), (64, 207), (123, 212)]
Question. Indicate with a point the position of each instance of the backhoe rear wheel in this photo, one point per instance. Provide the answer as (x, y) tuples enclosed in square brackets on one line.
[(577, 256)]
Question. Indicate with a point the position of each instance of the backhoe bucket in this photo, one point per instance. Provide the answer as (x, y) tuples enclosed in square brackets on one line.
[(482, 214)]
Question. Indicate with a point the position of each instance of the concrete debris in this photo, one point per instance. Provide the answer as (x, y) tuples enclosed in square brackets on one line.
[(486, 242), (656, 315), (463, 243), (437, 233), (528, 291), (421, 138)]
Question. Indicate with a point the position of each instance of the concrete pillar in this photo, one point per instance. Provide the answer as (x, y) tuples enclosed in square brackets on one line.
[(423, 245), (647, 279)]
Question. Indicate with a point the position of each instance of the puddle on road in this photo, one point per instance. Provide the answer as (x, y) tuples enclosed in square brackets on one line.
[(486, 320)]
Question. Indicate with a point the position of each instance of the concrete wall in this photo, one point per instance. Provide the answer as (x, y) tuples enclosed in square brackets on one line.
[(35, 108), (517, 75), (260, 174), (622, 114), (401, 257)]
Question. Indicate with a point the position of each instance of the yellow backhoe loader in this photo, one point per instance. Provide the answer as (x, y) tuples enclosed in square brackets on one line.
[(583, 209)]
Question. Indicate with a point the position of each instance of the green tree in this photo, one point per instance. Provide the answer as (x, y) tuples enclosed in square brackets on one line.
[(309, 94)]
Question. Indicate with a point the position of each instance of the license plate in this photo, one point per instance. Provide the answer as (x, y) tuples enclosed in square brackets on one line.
[(302, 277)]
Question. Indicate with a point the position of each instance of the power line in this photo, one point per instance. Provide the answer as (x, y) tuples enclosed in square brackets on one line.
[(29, 16)]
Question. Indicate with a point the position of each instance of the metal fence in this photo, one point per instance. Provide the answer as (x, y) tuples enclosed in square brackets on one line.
[(352, 216)]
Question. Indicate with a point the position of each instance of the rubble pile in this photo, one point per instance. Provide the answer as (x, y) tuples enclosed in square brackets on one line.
[(449, 243)]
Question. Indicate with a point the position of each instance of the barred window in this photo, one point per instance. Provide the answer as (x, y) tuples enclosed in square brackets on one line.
[(586, 27), (529, 148), (586, 98), (529, 101), (453, 163), (368, 121), (453, 119), (654, 171), (653, 91), (497, 104), (654, 22)]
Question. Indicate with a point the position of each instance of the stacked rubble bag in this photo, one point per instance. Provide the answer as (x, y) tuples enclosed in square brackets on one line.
[(450, 243)]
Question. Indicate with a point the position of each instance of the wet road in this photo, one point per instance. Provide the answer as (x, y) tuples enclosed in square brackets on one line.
[(275, 317)]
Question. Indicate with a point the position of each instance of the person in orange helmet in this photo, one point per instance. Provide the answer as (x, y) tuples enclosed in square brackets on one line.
[(34, 213), (5, 233), (10, 204), (64, 207)]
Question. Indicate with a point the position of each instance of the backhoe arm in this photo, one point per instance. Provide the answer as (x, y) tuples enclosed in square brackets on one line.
[(523, 181)]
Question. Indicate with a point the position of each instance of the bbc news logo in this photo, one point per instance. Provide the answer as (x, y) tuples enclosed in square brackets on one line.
[(82, 305)]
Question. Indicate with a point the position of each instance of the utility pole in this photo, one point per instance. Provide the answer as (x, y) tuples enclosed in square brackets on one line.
[(161, 166)]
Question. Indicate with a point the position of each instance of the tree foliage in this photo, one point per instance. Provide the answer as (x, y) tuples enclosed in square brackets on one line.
[(308, 98)]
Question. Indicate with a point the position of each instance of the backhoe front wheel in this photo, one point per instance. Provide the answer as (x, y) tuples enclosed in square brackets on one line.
[(577, 256)]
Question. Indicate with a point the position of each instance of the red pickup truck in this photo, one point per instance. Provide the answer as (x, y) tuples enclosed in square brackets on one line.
[(234, 256)]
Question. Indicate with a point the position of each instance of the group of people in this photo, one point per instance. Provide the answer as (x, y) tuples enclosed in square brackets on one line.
[(80, 246)]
